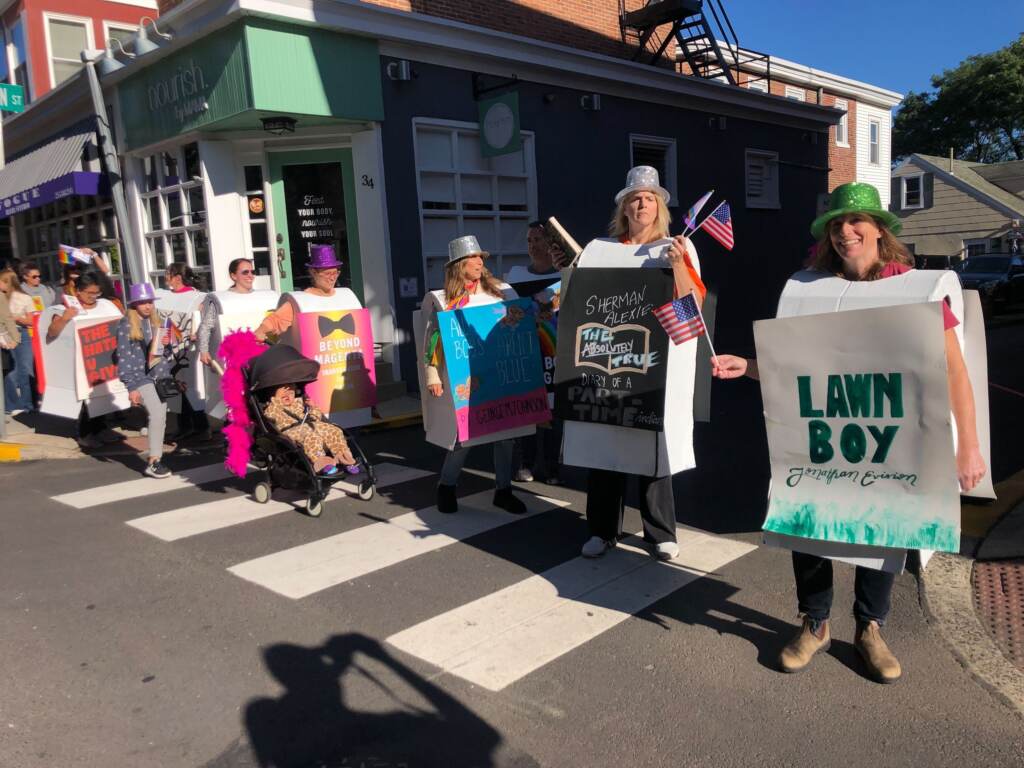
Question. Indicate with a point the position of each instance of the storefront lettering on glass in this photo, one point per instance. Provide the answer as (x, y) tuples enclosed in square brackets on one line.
[(315, 205), (183, 91)]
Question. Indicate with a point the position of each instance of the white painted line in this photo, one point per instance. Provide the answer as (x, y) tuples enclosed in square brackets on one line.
[(502, 637), (145, 486), (222, 513), (309, 568)]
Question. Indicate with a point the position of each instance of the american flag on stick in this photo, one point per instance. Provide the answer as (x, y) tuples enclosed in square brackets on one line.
[(719, 225), (681, 318)]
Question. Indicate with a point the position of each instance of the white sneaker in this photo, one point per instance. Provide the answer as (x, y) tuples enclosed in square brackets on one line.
[(667, 550), (596, 546)]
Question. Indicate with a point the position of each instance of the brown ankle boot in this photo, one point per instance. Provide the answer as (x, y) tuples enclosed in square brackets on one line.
[(882, 665), (801, 649)]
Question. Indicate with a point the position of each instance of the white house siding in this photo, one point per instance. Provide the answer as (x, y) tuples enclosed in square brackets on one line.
[(952, 212), (877, 175)]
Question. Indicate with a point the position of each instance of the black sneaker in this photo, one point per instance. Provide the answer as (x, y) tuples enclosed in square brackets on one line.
[(157, 470), (505, 499), (446, 501)]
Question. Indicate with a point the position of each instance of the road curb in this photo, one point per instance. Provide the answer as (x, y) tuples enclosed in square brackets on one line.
[(945, 590)]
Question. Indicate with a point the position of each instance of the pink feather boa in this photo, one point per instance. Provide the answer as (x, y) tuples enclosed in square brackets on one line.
[(237, 349)]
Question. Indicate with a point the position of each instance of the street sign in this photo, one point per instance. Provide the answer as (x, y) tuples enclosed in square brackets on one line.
[(12, 97)]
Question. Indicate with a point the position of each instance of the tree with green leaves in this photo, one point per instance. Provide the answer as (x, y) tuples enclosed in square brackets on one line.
[(977, 109)]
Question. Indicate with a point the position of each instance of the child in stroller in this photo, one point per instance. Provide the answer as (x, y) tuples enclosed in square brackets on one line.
[(301, 450)]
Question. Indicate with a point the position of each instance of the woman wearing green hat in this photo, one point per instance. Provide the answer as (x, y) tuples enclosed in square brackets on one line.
[(857, 241)]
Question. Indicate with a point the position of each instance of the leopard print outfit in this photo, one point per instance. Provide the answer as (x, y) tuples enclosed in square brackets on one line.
[(316, 437)]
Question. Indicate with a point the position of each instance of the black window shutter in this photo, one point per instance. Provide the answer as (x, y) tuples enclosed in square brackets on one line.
[(928, 190), (896, 194)]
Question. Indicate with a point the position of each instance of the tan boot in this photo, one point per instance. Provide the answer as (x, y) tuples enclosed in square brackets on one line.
[(801, 649), (882, 665)]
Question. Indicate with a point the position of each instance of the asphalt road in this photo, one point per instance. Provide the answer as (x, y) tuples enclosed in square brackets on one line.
[(433, 642)]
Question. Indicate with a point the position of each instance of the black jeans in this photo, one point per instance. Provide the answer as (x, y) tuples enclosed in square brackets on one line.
[(90, 425), (872, 589), (606, 501), (540, 453)]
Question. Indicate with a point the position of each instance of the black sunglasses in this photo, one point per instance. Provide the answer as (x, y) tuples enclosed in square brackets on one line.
[(245, 272)]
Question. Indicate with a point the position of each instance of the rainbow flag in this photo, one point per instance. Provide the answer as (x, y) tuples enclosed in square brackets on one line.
[(67, 254)]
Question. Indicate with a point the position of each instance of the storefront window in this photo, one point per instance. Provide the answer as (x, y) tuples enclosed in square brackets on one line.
[(462, 192), (256, 209), (174, 210)]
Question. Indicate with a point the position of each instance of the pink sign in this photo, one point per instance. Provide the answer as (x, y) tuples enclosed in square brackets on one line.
[(342, 342)]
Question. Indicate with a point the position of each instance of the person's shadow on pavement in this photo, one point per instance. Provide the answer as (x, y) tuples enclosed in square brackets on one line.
[(310, 724)]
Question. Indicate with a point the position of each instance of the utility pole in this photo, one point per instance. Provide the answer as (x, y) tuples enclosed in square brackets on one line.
[(136, 270)]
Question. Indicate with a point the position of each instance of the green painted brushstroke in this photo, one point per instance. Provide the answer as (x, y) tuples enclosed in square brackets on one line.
[(884, 527)]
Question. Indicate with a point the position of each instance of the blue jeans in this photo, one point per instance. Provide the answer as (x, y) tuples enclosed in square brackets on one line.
[(18, 383), (456, 457)]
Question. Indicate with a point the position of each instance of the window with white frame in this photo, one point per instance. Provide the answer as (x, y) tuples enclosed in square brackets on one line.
[(760, 84), (19, 58), (461, 192), (79, 220), (913, 191), (974, 248), (874, 132), (843, 127), (66, 38), (797, 94), (123, 34), (5, 67), (762, 175), (174, 210), (659, 153)]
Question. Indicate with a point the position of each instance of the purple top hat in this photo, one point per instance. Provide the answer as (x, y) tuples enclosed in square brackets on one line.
[(140, 292), (321, 256)]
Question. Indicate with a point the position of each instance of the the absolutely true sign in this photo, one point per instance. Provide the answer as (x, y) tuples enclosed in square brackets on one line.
[(612, 351), (857, 412), (342, 342), (492, 360), (98, 343)]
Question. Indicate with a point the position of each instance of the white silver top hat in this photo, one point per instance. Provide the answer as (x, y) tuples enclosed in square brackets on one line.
[(643, 178), (463, 247)]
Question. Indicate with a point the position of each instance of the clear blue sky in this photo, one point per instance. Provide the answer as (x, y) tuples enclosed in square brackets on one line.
[(895, 44)]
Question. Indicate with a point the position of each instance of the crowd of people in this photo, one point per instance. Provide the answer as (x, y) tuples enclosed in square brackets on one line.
[(856, 241)]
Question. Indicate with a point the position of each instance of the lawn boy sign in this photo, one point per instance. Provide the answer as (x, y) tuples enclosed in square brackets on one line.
[(492, 360), (612, 351), (859, 434)]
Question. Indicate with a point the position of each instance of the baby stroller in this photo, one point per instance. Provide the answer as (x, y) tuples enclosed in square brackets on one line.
[(285, 464)]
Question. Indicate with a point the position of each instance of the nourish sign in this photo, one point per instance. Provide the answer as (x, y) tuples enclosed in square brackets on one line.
[(859, 428)]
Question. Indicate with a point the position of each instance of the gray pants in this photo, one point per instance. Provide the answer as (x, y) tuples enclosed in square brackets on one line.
[(456, 457), (157, 412)]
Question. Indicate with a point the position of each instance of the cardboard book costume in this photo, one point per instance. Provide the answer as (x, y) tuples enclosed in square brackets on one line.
[(857, 409), (634, 450)]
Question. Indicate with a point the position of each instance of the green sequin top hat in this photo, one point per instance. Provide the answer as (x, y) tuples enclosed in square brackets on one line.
[(855, 197)]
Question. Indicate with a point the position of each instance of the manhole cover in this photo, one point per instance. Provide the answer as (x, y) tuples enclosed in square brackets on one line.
[(999, 601)]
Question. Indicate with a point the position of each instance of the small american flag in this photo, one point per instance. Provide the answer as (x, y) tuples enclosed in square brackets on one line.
[(681, 319), (719, 225)]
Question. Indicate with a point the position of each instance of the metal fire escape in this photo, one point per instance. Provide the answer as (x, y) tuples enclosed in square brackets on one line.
[(706, 43)]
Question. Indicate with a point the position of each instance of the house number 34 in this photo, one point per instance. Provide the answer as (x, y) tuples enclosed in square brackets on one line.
[(367, 181)]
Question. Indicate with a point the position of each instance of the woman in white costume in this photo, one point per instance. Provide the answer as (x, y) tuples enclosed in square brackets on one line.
[(641, 218)]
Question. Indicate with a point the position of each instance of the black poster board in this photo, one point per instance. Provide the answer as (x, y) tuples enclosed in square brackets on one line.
[(99, 342), (612, 351), (314, 199)]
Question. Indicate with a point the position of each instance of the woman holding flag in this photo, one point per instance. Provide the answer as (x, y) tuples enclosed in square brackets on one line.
[(641, 218)]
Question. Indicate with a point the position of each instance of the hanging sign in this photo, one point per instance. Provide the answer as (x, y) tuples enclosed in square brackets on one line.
[(612, 351), (499, 125)]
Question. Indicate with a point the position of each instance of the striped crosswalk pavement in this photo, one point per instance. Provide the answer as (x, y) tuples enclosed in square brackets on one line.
[(504, 636), (143, 487)]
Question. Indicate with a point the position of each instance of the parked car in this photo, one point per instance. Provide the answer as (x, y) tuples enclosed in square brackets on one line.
[(998, 278)]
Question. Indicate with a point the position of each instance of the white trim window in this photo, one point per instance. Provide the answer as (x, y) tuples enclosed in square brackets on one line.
[(123, 33), (80, 220), (461, 192), (762, 178), (797, 94), (66, 38), (174, 210), (760, 84), (17, 57), (874, 140), (659, 153), (974, 248), (843, 126), (912, 192)]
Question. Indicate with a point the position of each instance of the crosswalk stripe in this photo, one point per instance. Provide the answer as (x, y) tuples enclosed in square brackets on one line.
[(145, 486), (222, 513), (500, 638), (309, 568)]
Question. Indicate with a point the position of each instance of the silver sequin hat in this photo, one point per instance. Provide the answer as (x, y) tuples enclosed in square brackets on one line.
[(464, 247), (643, 178)]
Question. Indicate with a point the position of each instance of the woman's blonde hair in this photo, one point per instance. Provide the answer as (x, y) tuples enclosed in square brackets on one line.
[(10, 282), (890, 249), (455, 282), (619, 225), (135, 324)]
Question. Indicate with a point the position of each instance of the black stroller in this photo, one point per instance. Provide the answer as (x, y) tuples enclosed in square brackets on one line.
[(285, 464)]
